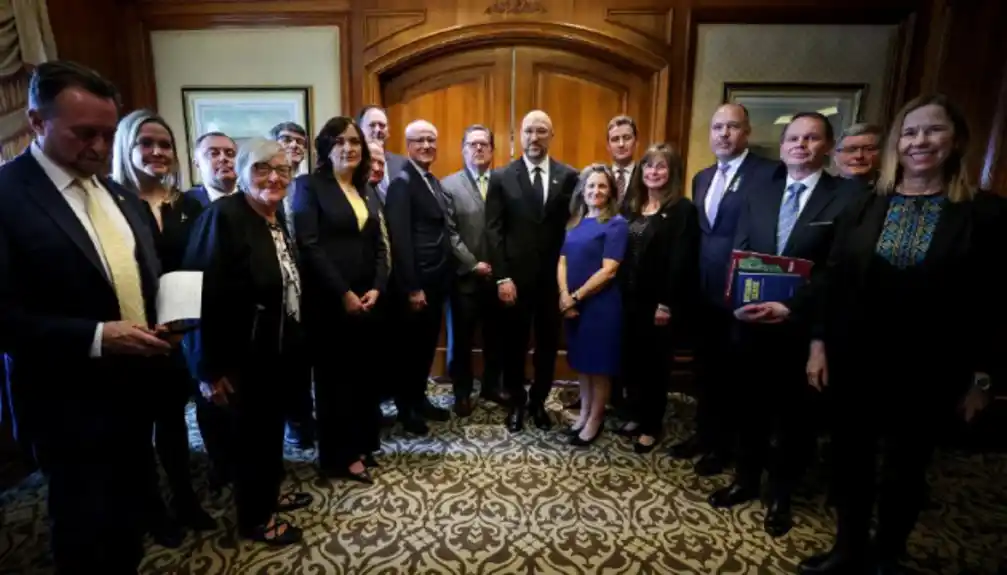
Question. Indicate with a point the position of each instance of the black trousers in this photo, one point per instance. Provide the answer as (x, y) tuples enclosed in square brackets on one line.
[(777, 401), (901, 417), (472, 307), (171, 388), (346, 358), (534, 318), (716, 379), (96, 495), (646, 367), (300, 402), (418, 334), (217, 427)]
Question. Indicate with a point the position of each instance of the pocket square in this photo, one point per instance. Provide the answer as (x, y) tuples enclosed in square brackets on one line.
[(829, 223)]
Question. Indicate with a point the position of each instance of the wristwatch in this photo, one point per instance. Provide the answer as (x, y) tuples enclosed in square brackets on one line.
[(982, 382)]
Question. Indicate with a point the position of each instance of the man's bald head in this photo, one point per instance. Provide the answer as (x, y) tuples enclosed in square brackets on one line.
[(536, 135), (421, 143), (729, 130), (377, 161)]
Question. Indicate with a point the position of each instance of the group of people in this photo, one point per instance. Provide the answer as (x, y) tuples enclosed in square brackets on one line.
[(303, 274)]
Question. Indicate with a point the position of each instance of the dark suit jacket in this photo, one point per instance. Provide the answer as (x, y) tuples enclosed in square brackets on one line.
[(667, 267), (418, 231), (812, 236), (717, 238), (337, 255), (965, 326), (242, 311), (200, 194), (525, 237), (172, 237), (53, 293)]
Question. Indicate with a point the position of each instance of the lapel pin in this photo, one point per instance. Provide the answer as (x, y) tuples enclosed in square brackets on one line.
[(184, 217), (121, 199), (735, 184)]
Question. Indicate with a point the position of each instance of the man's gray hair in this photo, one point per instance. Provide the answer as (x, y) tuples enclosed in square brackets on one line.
[(862, 129), (251, 152)]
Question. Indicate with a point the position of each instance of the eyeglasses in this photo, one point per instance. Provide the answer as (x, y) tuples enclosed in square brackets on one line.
[(854, 149), (423, 140), (478, 145), (263, 169)]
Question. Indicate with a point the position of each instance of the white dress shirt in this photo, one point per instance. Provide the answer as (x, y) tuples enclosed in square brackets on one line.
[(214, 194), (627, 174), (732, 170), (74, 196), (544, 174), (809, 187)]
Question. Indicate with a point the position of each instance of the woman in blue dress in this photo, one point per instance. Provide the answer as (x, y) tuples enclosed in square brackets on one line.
[(589, 298)]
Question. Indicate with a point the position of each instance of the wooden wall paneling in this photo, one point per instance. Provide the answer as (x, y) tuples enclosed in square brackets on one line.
[(84, 32)]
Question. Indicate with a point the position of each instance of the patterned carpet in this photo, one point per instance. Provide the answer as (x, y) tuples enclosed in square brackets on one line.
[(471, 498)]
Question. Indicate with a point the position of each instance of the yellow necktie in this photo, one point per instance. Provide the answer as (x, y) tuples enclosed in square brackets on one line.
[(121, 261), (482, 186)]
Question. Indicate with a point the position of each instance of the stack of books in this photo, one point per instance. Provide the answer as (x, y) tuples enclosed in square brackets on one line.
[(759, 278)]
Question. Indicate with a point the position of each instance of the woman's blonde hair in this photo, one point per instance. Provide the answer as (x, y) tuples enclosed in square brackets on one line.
[(123, 171), (578, 205), (956, 181), (671, 192)]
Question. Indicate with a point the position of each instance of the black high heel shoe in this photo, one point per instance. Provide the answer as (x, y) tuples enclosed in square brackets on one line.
[(576, 441)]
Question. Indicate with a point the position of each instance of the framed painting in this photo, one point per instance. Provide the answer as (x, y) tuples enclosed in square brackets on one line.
[(243, 113), (772, 105)]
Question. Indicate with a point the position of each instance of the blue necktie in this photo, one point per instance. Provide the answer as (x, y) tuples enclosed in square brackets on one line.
[(789, 210)]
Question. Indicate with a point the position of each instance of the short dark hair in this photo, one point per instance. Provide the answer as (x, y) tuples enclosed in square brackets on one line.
[(326, 140), (830, 133), (621, 120), (364, 110), (292, 127), (478, 128), (49, 79), (199, 140)]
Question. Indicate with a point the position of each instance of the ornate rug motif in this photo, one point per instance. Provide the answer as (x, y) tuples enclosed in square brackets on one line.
[(471, 498)]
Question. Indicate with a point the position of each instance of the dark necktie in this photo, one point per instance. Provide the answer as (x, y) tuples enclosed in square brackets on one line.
[(435, 187), (536, 183), (620, 181)]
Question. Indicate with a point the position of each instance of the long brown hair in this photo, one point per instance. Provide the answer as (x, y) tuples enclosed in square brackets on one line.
[(956, 180), (578, 205), (671, 192)]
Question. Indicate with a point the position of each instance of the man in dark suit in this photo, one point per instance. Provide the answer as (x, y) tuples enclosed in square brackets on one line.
[(793, 215), (78, 282), (473, 295), (374, 122), (719, 192), (214, 153), (527, 208), (422, 270)]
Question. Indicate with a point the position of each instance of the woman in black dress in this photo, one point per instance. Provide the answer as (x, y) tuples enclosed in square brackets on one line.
[(338, 226), (908, 324), (145, 162), (250, 330), (659, 277)]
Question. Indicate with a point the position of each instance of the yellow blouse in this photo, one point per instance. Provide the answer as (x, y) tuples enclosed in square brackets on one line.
[(358, 204)]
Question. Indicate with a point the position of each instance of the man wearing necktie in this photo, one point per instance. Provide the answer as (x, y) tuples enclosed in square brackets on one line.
[(78, 282), (718, 193), (473, 296), (620, 140), (422, 271), (527, 209), (792, 215)]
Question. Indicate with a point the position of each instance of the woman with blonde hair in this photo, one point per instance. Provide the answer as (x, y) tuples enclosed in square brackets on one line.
[(589, 298), (145, 162), (907, 327)]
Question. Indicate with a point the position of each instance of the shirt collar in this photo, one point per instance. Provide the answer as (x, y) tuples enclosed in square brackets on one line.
[(735, 163), (628, 168), (544, 164), (60, 176), (809, 182), (475, 175), (418, 168)]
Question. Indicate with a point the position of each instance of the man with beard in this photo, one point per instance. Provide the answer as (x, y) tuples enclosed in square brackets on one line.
[(214, 154)]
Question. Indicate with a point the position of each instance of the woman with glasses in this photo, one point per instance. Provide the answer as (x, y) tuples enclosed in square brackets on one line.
[(251, 330)]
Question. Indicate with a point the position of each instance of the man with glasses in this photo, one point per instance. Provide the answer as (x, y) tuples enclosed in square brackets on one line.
[(858, 155)]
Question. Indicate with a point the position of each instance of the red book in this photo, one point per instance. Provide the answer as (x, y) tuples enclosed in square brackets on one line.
[(753, 277)]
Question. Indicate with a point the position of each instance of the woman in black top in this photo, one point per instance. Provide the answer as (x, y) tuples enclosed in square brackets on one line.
[(908, 323), (659, 278), (144, 162), (338, 226), (250, 331)]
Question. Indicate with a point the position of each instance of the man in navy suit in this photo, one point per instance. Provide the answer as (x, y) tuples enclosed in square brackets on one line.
[(78, 282), (374, 122), (793, 214), (719, 192), (214, 153)]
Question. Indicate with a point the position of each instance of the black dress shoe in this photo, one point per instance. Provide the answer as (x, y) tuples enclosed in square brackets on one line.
[(733, 494), (576, 440), (687, 449), (463, 407), (778, 519), (540, 417), (414, 424), (833, 563), (515, 419), (493, 396), (709, 464)]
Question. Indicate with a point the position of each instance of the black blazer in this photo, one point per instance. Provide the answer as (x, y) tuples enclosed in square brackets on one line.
[(242, 312), (337, 255), (418, 231), (667, 268), (525, 237), (172, 238), (813, 234), (54, 292), (960, 271), (199, 194)]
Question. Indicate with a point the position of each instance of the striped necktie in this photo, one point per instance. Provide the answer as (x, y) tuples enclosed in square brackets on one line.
[(790, 209)]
